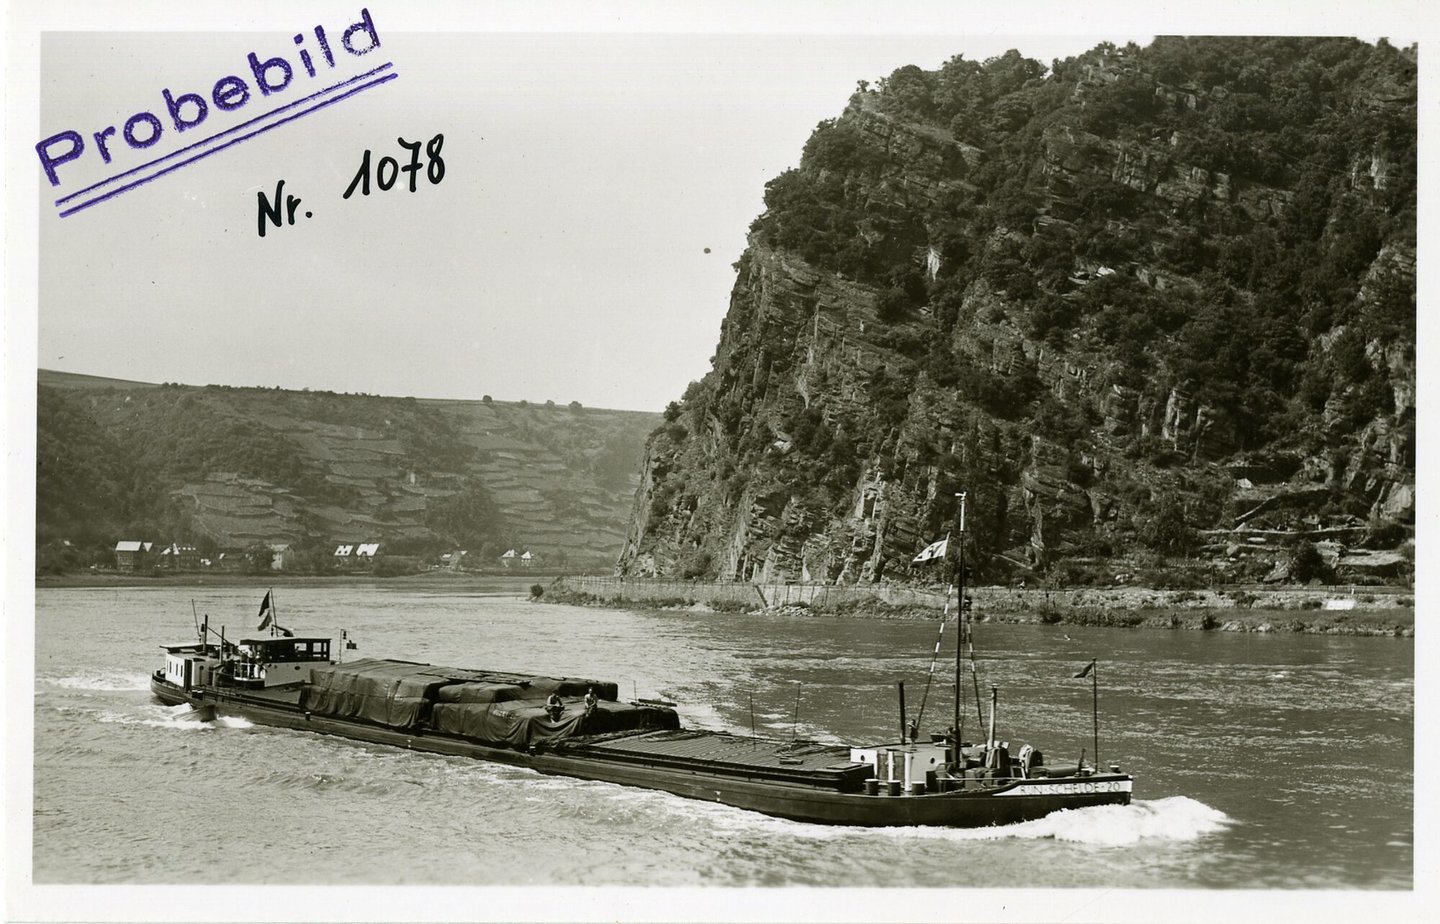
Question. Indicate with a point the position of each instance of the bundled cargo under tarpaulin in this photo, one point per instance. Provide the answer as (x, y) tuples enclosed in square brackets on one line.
[(607, 718), (480, 693), (499, 688), (521, 723), (394, 693), (542, 687), (402, 694)]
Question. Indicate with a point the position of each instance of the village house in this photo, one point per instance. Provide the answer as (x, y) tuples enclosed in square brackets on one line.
[(229, 560), (177, 557), (353, 555), (132, 555), (279, 555), (453, 561)]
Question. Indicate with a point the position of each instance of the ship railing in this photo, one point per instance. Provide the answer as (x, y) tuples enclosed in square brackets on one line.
[(249, 670)]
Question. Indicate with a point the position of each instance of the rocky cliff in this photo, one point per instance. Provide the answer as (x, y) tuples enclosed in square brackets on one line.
[(1151, 308)]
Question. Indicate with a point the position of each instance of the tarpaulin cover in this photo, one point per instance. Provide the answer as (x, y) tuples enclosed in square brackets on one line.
[(519, 724), (394, 693), (400, 694), (523, 723), (533, 686), (480, 693), (542, 687), (622, 717)]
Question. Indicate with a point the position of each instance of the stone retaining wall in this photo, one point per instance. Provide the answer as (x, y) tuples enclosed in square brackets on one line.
[(985, 599)]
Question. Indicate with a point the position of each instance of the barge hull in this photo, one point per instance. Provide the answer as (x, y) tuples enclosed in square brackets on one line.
[(1025, 800)]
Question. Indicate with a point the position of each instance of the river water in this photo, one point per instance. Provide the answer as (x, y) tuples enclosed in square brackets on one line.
[(1261, 761)]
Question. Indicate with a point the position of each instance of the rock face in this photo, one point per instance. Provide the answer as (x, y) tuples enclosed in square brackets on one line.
[(1093, 300)]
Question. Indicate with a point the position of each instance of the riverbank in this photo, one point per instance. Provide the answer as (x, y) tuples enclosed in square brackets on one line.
[(1394, 622), (1304, 610), (1318, 611), (518, 583)]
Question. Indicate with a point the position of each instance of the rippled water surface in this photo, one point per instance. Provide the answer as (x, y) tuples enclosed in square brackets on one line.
[(1260, 761)]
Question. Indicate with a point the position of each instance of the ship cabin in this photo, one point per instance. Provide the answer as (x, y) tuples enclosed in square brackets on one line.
[(187, 666), (273, 662), (909, 764)]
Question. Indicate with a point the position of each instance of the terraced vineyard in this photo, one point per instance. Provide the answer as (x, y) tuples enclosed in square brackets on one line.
[(238, 466)]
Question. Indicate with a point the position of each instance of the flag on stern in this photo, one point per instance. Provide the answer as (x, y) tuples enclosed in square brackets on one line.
[(267, 612), (1086, 672), (933, 550)]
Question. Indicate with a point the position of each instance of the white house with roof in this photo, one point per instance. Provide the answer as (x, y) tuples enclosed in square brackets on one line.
[(180, 557), (132, 554)]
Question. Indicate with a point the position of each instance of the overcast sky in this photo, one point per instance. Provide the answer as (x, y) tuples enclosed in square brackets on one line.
[(563, 255), (588, 169)]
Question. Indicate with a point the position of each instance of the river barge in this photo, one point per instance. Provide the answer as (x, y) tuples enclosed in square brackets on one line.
[(578, 727)]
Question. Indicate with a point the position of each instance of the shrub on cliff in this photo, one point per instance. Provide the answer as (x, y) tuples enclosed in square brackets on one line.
[(1306, 563), (1161, 254)]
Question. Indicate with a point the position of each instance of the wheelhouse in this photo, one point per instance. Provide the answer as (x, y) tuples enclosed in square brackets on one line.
[(273, 662)]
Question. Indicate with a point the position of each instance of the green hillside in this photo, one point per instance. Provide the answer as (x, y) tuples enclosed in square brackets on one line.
[(229, 468)]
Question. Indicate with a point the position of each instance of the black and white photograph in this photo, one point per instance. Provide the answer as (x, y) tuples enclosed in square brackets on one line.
[(620, 461)]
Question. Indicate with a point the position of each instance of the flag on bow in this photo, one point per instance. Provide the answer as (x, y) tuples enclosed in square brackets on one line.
[(1086, 672), (933, 550), (267, 613)]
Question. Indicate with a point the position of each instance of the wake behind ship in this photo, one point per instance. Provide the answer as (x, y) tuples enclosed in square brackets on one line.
[(578, 727)]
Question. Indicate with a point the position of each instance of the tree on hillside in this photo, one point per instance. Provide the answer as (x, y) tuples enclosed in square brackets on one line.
[(1306, 563), (1165, 526), (466, 519), (258, 558)]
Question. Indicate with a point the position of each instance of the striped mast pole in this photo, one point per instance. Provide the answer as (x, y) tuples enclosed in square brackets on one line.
[(959, 622), (942, 550), (1095, 710), (1093, 670), (934, 658)]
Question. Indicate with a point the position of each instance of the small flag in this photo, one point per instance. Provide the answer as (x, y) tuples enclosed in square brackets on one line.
[(1086, 672), (933, 550), (267, 613)]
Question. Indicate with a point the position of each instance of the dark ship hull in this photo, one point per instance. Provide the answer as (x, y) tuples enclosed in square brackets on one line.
[(803, 781)]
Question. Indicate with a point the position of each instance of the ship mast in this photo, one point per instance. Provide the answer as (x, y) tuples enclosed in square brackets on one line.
[(959, 619)]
